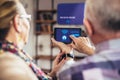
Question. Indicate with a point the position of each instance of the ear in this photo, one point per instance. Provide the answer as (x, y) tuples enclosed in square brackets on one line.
[(16, 23), (89, 27)]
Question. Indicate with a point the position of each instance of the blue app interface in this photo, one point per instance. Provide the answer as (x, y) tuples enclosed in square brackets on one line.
[(63, 35)]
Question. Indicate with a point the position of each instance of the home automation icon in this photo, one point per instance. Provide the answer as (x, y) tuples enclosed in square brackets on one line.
[(64, 37)]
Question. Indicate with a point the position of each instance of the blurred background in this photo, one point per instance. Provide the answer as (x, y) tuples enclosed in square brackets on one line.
[(44, 19)]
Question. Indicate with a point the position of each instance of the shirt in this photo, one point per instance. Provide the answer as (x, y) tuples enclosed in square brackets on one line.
[(11, 48), (106, 58)]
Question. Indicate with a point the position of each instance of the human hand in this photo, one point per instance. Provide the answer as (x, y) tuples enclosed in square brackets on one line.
[(82, 45), (57, 64), (63, 47)]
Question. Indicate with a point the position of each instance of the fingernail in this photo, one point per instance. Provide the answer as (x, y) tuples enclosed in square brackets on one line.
[(72, 36), (65, 58)]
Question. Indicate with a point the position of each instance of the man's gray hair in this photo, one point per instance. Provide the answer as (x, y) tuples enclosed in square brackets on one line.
[(106, 12)]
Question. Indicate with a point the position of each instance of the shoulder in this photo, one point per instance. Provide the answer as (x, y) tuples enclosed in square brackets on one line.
[(14, 68), (79, 66), (91, 62), (87, 62)]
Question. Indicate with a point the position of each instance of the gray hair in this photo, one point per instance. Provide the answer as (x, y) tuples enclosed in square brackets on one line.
[(106, 12)]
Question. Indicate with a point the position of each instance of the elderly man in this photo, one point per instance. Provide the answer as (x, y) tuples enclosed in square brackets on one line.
[(102, 22)]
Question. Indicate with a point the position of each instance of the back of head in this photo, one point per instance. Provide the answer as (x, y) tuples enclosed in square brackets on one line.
[(8, 9), (104, 12)]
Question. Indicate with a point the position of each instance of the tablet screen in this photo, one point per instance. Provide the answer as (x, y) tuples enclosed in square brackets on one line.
[(63, 34)]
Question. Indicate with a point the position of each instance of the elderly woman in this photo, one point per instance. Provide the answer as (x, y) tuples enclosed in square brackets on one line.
[(15, 64)]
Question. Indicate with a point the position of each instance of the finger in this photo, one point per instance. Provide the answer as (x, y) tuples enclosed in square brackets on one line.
[(62, 62), (59, 56), (56, 43), (57, 59), (84, 40), (53, 41), (87, 39), (72, 45), (73, 38), (75, 41), (69, 44)]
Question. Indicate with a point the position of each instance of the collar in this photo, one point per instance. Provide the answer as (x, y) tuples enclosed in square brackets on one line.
[(112, 44)]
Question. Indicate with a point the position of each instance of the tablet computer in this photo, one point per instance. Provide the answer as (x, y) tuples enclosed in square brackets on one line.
[(63, 34)]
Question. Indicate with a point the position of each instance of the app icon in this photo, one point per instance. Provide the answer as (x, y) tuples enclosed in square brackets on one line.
[(64, 37)]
